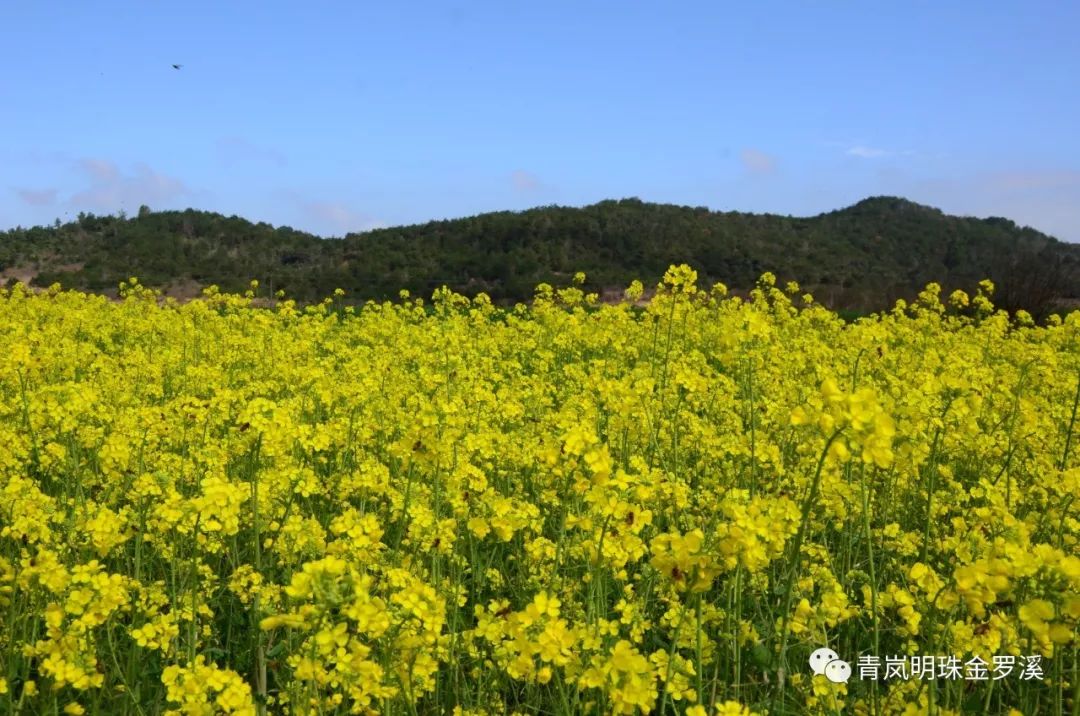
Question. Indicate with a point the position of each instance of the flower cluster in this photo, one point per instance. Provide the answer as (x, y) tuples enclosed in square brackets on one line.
[(664, 505)]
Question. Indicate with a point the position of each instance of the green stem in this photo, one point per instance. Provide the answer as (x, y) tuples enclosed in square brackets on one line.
[(1076, 682), (698, 667), (873, 585), (1072, 423), (260, 646), (796, 557)]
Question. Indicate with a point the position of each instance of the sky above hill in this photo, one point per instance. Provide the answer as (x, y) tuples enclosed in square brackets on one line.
[(341, 116)]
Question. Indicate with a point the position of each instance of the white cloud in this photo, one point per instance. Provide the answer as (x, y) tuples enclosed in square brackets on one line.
[(524, 181), (336, 218), (110, 188), (1045, 199), (99, 169), (757, 162), (1033, 180), (234, 149), (865, 152), (37, 197)]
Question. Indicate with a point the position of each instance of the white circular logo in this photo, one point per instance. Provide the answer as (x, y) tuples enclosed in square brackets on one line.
[(838, 671)]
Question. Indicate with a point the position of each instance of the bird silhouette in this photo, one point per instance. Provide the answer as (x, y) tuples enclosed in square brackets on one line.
[(176, 67)]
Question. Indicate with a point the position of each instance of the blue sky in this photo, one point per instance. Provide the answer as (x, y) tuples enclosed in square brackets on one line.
[(341, 116)]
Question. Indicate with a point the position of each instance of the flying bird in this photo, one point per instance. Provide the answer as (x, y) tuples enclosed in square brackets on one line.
[(176, 67)]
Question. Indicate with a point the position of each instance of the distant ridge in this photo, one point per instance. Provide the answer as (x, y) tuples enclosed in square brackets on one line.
[(862, 257)]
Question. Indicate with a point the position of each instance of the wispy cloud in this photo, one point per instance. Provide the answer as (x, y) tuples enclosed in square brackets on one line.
[(524, 181), (37, 197), (98, 169), (336, 218), (1014, 181), (865, 152), (234, 149), (110, 188), (1043, 198), (757, 162)]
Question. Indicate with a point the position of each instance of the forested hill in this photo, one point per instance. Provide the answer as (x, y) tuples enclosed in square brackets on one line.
[(862, 257)]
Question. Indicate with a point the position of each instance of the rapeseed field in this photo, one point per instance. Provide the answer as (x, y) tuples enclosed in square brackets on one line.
[(442, 506)]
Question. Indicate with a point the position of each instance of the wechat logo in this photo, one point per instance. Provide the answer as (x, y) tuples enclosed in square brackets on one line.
[(828, 662)]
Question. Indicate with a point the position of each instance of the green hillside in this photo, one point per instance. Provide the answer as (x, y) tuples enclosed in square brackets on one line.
[(863, 257)]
